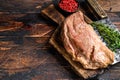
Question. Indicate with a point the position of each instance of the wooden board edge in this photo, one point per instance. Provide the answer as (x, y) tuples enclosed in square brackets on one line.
[(76, 67)]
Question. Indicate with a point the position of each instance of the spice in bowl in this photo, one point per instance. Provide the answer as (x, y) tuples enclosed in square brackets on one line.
[(68, 5)]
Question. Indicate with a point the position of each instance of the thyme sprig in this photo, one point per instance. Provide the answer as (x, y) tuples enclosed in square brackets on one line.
[(110, 36)]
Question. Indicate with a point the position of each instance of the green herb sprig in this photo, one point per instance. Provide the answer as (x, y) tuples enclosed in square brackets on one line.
[(110, 36)]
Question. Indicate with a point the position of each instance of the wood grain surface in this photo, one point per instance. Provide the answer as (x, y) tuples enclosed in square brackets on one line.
[(110, 5), (25, 53)]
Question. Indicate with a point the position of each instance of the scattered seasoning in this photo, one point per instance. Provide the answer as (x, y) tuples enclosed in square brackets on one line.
[(110, 36), (68, 5)]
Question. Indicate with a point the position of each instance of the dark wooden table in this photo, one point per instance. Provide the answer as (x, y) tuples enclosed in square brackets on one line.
[(25, 53)]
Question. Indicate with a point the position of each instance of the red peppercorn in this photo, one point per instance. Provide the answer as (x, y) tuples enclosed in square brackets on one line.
[(68, 5)]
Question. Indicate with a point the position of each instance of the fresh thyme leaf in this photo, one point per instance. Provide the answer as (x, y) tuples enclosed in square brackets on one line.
[(110, 36)]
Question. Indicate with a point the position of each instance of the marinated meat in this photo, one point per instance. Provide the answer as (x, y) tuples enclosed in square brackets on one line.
[(83, 44)]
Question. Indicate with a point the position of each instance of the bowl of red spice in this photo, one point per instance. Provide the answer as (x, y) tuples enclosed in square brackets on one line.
[(68, 6)]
